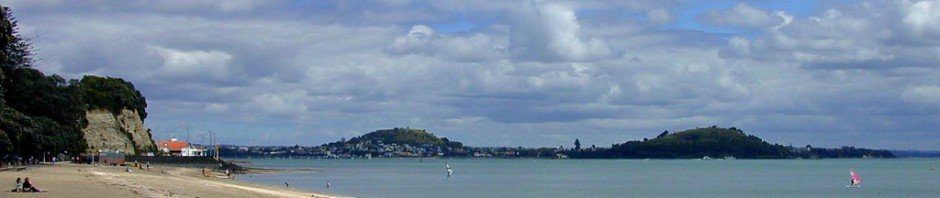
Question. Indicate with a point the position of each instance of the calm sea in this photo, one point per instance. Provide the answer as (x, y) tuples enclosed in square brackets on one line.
[(605, 178)]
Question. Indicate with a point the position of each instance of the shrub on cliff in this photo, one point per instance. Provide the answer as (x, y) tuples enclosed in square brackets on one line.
[(113, 94)]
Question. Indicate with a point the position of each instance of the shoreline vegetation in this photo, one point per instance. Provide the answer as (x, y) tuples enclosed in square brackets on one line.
[(699, 143), (71, 180)]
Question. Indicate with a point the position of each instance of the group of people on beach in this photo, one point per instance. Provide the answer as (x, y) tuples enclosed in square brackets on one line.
[(25, 185)]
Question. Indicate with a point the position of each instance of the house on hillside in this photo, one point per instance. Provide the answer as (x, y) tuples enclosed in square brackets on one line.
[(174, 147)]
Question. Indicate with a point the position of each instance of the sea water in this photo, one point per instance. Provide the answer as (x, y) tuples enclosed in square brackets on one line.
[(413, 177)]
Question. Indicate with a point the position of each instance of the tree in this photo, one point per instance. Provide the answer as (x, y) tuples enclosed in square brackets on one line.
[(113, 94), (666, 132), (14, 51), (577, 144)]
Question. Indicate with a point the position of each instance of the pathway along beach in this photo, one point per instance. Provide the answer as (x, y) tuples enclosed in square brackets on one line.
[(79, 180)]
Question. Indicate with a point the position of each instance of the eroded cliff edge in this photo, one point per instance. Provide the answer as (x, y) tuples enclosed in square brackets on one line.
[(123, 131)]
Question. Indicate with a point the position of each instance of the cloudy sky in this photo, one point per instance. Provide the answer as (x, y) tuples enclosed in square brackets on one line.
[(511, 73)]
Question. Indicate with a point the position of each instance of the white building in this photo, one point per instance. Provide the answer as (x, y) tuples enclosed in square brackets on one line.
[(193, 152)]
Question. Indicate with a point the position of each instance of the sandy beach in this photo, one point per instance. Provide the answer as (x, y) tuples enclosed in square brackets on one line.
[(77, 180)]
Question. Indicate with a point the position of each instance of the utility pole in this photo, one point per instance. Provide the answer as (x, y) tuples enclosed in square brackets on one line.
[(187, 135), (212, 142), (216, 152)]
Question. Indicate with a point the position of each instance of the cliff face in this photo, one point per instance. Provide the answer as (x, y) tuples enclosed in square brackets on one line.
[(123, 132)]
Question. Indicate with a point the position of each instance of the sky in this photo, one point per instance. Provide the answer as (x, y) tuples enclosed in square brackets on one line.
[(510, 73)]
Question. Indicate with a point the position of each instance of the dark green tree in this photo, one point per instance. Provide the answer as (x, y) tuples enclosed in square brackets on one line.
[(113, 94), (14, 51), (577, 144), (663, 134)]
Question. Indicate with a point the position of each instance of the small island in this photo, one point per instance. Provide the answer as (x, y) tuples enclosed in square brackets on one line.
[(716, 142)]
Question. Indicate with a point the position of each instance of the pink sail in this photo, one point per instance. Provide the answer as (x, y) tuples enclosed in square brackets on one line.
[(855, 178)]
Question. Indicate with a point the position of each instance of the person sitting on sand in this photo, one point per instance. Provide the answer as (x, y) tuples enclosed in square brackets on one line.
[(19, 185), (29, 187)]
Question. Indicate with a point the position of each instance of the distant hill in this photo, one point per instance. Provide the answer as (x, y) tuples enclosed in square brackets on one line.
[(719, 142), (701, 142), (401, 136), (916, 154)]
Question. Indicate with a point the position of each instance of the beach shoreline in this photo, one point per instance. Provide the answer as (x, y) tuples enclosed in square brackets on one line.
[(81, 180)]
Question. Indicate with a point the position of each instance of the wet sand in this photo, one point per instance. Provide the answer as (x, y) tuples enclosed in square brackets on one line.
[(76, 180)]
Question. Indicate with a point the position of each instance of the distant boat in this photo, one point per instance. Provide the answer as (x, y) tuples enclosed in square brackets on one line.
[(450, 172), (707, 158), (856, 180)]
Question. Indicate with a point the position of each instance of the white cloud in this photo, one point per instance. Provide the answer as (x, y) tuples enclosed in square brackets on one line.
[(422, 39), (551, 32), (868, 35), (927, 95), (659, 16), (194, 63), (743, 15), (283, 104), (923, 17)]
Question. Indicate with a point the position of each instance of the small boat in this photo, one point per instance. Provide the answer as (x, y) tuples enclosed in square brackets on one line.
[(856, 180)]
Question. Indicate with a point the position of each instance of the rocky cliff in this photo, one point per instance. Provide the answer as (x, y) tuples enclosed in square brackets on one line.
[(123, 132)]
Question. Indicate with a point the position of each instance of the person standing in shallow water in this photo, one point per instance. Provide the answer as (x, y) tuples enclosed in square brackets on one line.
[(450, 172)]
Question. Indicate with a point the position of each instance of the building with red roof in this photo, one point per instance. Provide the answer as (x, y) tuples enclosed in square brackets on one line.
[(175, 147)]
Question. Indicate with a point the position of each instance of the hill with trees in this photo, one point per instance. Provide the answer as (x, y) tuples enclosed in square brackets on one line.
[(402, 142), (400, 136), (45, 114), (718, 142)]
